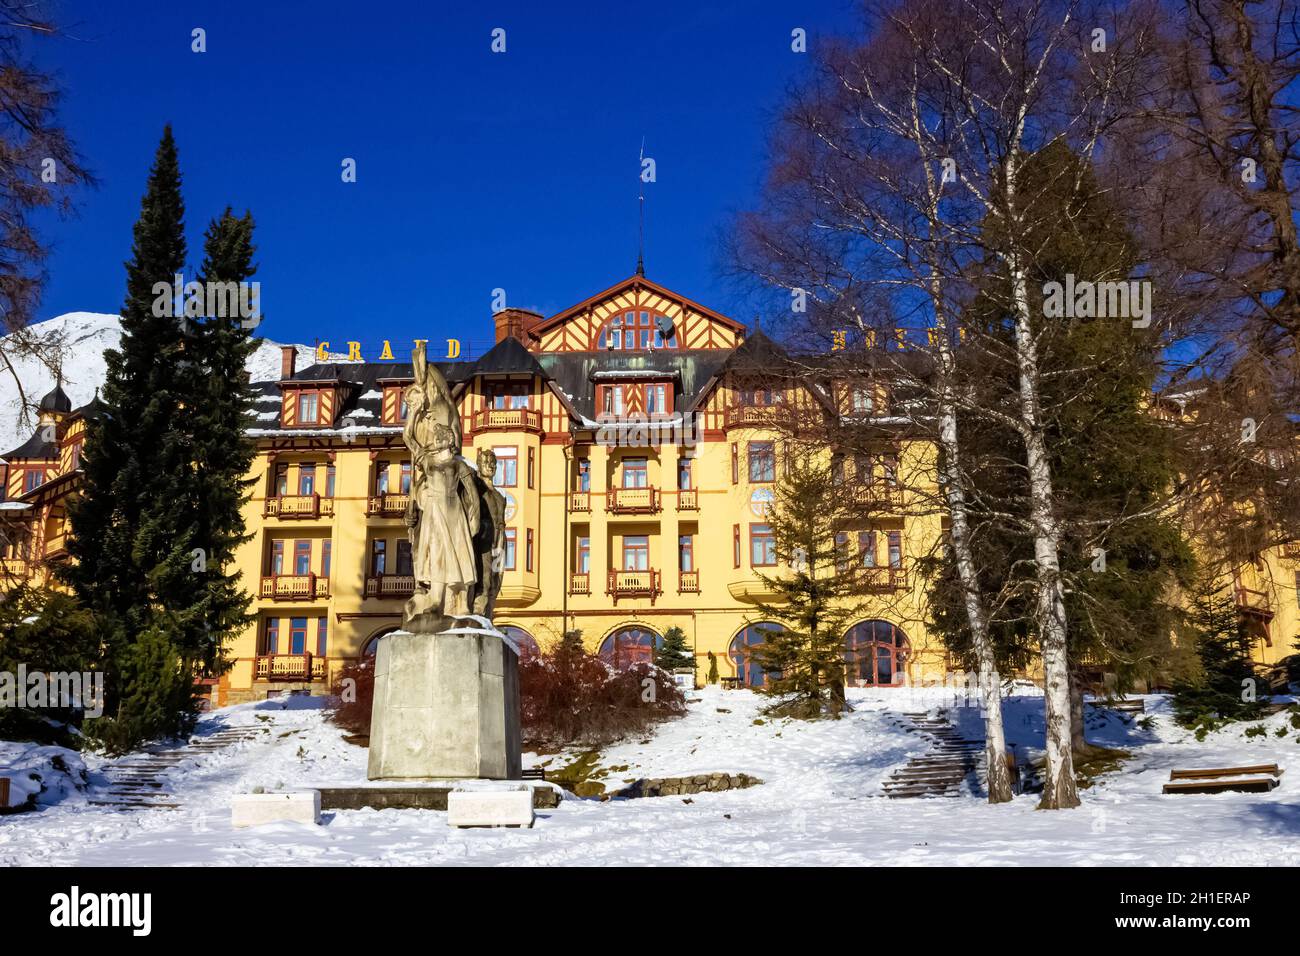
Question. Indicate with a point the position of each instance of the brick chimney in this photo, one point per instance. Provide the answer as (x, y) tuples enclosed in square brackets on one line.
[(288, 358), (515, 323)]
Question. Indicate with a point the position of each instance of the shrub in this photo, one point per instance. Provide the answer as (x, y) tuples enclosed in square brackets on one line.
[(572, 697), (353, 694)]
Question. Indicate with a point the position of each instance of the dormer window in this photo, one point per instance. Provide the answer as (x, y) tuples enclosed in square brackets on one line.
[(629, 331), (308, 408)]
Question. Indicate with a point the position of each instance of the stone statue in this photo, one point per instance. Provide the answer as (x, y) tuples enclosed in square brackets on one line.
[(490, 542), (443, 513)]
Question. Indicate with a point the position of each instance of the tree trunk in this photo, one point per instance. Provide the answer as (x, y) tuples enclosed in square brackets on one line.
[(1059, 788)]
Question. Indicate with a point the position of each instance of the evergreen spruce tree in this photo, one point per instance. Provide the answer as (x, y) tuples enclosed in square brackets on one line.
[(132, 545), (1225, 687), (223, 452), (816, 599), (673, 652)]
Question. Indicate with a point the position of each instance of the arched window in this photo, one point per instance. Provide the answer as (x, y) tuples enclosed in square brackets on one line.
[(628, 645), (875, 654), (741, 652), (633, 330), (523, 640), (369, 648)]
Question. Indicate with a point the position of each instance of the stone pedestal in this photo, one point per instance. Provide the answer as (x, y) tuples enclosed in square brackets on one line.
[(445, 705)]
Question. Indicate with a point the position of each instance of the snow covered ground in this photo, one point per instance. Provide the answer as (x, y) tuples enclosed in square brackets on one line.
[(80, 339), (820, 803)]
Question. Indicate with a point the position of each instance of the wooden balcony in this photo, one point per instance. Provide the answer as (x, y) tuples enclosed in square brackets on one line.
[(507, 419), (387, 506), (632, 501), (1291, 550), (290, 667), (579, 582), (688, 499), (15, 568), (754, 416), (876, 494), (579, 501), (390, 586), (299, 506), (882, 578), (630, 584), (294, 587), (688, 582), (1254, 603)]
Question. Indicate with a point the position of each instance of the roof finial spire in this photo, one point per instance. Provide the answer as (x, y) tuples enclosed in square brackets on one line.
[(640, 238)]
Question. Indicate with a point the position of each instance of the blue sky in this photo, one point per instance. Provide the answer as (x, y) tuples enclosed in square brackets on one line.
[(474, 170)]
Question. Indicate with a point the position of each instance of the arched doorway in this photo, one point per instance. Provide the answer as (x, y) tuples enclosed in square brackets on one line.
[(875, 654), (523, 640), (629, 645), (741, 652), (372, 643)]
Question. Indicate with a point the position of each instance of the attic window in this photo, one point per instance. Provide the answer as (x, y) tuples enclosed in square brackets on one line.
[(630, 331)]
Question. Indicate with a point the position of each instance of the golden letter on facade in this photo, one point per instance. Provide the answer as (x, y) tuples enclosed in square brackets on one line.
[(322, 352), (387, 353), (453, 348), (354, 351)]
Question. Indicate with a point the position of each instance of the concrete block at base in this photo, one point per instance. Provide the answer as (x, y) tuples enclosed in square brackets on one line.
[(490, 808), (254, 809)]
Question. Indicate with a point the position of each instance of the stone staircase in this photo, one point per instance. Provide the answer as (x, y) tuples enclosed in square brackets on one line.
[(941, 772), (139, 781)]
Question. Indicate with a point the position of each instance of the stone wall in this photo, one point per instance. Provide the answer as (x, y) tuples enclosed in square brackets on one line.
[(680, 786)]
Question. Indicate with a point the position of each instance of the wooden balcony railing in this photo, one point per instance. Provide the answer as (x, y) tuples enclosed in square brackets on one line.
[(390, 586), (633, 584), (579, 583), (290, 667), (579, 500), (883, 578), (294, 587), (15, 567), (299, 506), (1291, 550), (754, 416), (688, 499), (688, 582), (1255, 603), (875, 493), (507, 419), (628, 501), (387, 506)]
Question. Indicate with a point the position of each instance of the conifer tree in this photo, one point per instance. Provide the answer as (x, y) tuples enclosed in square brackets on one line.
[(1225, 687), (132, 545), (673, 652), (815, 599)]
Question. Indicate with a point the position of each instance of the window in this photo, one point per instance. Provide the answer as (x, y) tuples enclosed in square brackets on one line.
[(686, 552), (684, 475), (381, 478), (762, 461), (74, 459), (584, 555), (735, 544), (405, 479), (322, 636), (378, 556), (895, 549), (630, 645), (613, 401), (281, 479), (510, 549), (523, 640), (530, 467), (306, 479), (509, 396), (762, 546), (528, 549), (889, 468), (636, 473), (404, 565), (630, 330), (636, 552), (326, 555), (298, 635), (861, 400), (759, 396), (841, 552), (867, 548), (656, 398), (837, 468), (741, 652), (584, 475), (277, 557), (875, 654), (32, 479), (329, 481), (735, 463), (302, 557), (308, 408), (507, 475), (271, 637)]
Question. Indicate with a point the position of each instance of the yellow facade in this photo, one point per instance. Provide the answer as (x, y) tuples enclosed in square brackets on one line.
[(613, 533)]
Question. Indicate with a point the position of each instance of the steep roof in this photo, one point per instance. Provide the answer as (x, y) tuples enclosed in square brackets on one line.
[(56, 401), (636, 281), (34, 447), (508, 355), (574, 373)]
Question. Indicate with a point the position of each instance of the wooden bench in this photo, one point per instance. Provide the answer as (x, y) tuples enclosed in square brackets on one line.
[(1257, 778), (4, 793), (1134, 706), (731, 683), (534, 773)]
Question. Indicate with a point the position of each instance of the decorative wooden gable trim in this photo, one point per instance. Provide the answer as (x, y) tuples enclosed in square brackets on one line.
[(326, 402)]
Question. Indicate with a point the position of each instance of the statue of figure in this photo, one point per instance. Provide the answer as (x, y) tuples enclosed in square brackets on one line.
[(443, 513), (490, 542)]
